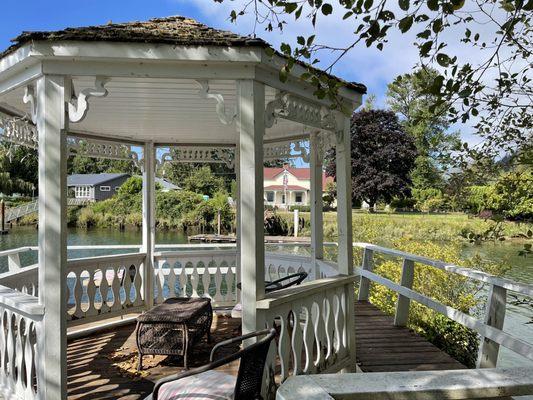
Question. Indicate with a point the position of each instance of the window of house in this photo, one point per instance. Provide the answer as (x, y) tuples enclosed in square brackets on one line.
[(105, 188), (283, 199), (117, 188), (82, 191), (298, 197), (270, 197)]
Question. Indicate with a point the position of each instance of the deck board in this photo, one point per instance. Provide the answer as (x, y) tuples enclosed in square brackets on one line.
[(102, 366), (382, 347)]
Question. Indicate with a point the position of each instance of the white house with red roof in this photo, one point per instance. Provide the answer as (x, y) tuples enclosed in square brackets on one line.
[(287, 186)]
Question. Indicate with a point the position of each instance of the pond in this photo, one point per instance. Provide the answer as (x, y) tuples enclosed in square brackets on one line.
[(521, 270)]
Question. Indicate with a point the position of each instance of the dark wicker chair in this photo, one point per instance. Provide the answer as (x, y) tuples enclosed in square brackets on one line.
[(246, 386), (272, 286), (285, 282)]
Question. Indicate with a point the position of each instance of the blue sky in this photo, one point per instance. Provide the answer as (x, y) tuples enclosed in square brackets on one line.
[(369, 66)]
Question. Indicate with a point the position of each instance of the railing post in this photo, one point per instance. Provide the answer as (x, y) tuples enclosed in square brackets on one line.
[(364, 284), (402, 306), (495, 317)]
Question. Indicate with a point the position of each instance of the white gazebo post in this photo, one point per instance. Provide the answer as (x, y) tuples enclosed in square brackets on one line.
[(344, 216), (148, 227), (52, 125), (251, 130), (317, 234)]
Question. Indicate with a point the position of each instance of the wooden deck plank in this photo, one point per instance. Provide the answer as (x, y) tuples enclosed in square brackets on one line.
[(383, 347), (103, 366)]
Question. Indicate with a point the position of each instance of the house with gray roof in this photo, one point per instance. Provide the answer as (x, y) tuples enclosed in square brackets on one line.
[(95, 187)]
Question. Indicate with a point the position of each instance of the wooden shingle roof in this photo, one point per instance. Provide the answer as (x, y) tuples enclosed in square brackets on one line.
[(173, 30)]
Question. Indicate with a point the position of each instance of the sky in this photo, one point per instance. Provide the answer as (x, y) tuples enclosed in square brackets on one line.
[(372, 67)]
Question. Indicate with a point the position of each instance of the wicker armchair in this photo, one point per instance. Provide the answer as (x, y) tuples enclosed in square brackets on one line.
[(272, 286), (204, 382)]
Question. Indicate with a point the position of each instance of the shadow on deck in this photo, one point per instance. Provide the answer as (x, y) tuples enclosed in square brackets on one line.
[(103, 366)]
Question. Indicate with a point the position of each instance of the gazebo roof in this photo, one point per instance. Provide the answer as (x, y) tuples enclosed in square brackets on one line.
[(172, 81), (176, 30)]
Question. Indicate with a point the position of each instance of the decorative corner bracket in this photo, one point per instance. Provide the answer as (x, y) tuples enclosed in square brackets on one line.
[(29, 98), (78, 106), (221, 105), (294, 108)]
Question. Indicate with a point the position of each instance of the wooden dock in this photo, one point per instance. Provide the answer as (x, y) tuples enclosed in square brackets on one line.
[(103, 366), (383, 347)]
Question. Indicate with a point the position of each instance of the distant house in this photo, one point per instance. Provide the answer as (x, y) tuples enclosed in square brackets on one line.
[(165, 185), (95, 186), (289, 186)]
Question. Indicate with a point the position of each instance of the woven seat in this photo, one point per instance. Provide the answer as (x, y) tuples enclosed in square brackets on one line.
[(206, 383), (212, 385)]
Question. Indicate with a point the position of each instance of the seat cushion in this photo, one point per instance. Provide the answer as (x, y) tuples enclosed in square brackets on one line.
[(236, 311), (211, 385)]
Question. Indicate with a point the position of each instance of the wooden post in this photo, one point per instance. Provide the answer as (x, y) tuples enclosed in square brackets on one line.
[(403, 303), (317, 206), (344, 227), (364, 284), (148, 227), (495, 317), (3, 216), (52, 126), (344, 199), (238, 277), (296, 221), (251, 127), (218, 222)]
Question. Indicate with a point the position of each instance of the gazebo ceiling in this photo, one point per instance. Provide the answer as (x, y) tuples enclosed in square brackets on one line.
[(161, 110)]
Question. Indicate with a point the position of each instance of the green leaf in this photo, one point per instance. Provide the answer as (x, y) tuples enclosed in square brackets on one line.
[(327, 9), (433, 5), (443, 59), (300, 40), (290, 7), (368, 4), (405, 23), (425, 48), (310, 40), (437, 25), (347, 15), (404, 4)]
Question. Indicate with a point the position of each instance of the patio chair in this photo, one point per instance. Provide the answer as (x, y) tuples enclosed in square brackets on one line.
[(272, 286), (205, 383)]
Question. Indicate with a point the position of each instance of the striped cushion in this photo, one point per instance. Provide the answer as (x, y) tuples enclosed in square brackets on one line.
[(212, 385)]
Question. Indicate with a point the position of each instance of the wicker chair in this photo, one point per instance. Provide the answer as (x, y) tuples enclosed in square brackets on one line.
[(272, 286), (204, 382)]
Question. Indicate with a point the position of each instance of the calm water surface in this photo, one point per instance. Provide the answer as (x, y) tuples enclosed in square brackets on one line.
[(515, 322)]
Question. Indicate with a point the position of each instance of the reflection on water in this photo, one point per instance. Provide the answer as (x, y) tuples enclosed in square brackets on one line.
[(522, 268)]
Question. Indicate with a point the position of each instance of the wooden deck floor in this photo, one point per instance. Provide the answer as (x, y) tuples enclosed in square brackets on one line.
[(103, 366), (382, 347)]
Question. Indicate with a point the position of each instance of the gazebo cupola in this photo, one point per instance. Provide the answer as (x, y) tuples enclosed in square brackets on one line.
[(122, 90)]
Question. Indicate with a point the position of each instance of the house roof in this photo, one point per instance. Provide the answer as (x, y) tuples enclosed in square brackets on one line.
[(92, 179), (166, 184), (174, 30), (299, 173)]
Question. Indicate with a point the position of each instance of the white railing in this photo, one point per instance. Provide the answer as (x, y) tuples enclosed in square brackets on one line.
[(20, 319), (490, 329), (316, 327), (196, 273), (417, 385), (104, 287)]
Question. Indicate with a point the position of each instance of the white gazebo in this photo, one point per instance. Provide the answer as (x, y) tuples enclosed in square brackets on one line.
[(122, 90)]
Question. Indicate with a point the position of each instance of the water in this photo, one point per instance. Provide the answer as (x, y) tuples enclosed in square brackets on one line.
[(515, 322)]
